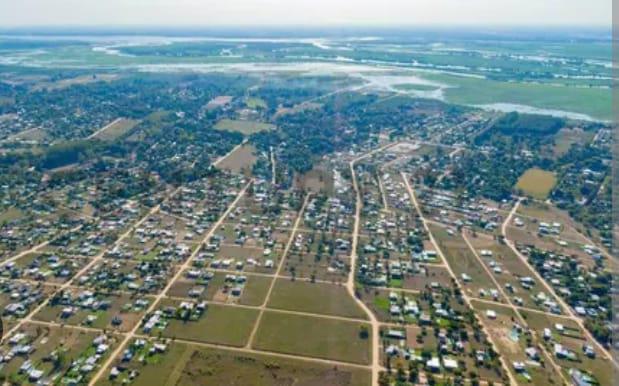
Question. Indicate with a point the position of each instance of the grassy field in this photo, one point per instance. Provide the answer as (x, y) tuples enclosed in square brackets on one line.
[(151, 124), (595, 102), (319, 179), (255, 290), (256, 103), (243, 127), (537, 183), (416, 87), (310, 297), (78, 80), (240, 160), (185, 364), (116, 129), (220, 324), (315, 337), (10, 214), (34, 134), (566, 137)]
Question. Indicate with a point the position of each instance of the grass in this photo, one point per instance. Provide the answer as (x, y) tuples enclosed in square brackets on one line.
[(304, 296), (565, 138), (415, 87), (595, 102), (255, 290), (186, 364), (242, 159), (537, 183), (220, 325), (315, 337), (116, 129), (256, 103), (243, 127), (10, 214)]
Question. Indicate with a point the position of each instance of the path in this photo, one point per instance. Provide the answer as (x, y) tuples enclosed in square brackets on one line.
[(350, 284)]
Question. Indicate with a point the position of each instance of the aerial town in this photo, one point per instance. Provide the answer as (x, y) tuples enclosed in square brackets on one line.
[(293, 228)]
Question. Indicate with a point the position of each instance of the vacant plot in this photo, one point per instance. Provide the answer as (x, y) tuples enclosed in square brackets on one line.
[(116, 129), (537, 182), (565, 138), (186, 364), (319, 179), (255, 290), (35, 134), (315, 337), (243, 127), (297, 109), (240, 161), (310, 297), (10, 214), (226, 325), (256, 103), (219, 101)]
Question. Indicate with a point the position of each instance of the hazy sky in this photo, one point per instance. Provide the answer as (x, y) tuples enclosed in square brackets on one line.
[(307, 12)]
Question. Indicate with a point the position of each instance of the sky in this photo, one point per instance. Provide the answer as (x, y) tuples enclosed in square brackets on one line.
[(213, 13)]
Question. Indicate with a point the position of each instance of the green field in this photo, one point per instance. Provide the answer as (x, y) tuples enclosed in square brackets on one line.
[(220, 324), (241, 160), (255, 290), (116, 129), (315, 337), (243, 127), (595, 102), (415, 87), (565, 138), (186, 364), (256, 103), (304, 296), (536, 183), (10, 214)]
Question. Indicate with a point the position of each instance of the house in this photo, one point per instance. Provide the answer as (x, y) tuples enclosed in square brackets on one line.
[(433, 364), (450, 364), (396, 334), (532, 353)]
